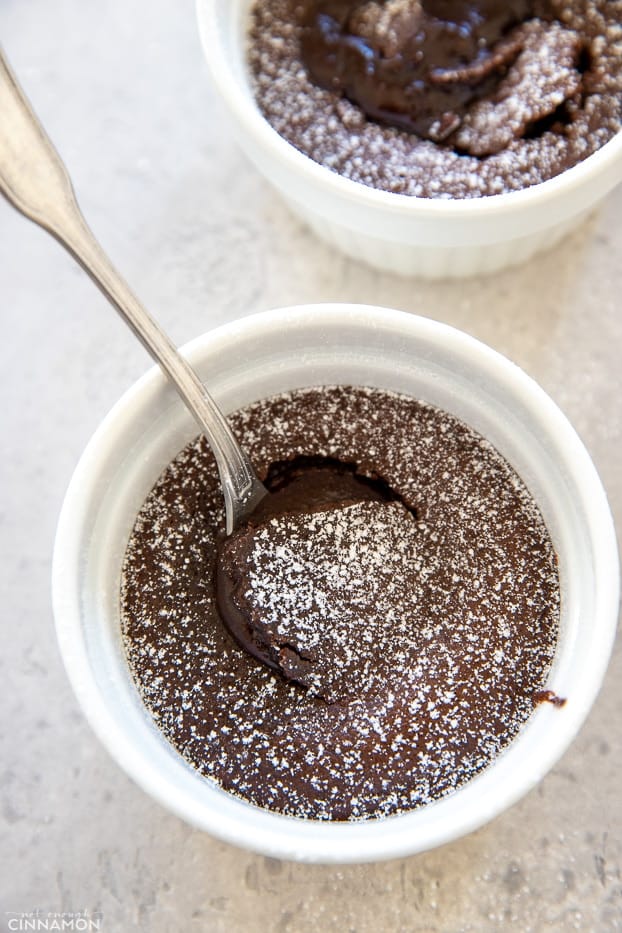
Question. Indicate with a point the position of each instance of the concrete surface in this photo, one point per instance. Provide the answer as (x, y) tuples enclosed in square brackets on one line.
[(122, 89)]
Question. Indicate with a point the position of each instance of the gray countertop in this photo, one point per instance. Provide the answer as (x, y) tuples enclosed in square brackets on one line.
[(124, 94)]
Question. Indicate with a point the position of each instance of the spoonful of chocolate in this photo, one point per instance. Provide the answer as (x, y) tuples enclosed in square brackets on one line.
[(286, 580), (34, 179)]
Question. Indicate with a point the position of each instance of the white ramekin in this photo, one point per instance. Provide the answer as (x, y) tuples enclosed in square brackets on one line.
[(411, 236), (315, 345)]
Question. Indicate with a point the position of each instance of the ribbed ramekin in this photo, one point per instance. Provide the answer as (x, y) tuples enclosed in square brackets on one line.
[(427, 237)]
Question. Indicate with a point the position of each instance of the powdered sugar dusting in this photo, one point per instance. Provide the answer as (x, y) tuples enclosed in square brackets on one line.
[(543, 78), (339, 590), (421, 639)]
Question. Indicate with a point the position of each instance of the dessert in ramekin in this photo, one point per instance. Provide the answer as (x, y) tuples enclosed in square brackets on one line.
[(429, 236), (294, 349)]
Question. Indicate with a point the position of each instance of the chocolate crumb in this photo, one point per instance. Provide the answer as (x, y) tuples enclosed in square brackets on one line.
[(548, 696)]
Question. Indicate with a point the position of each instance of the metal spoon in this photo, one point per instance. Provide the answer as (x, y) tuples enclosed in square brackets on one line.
[(34, 179)]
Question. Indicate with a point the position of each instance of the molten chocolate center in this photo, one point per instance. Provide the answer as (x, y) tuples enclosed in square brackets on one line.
[(415, 64)]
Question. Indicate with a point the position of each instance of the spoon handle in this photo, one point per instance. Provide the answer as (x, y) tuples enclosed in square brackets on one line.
[(34, 179)]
